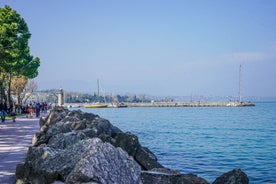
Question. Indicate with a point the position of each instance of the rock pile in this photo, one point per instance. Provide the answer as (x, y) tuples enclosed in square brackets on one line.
[(78, 147)]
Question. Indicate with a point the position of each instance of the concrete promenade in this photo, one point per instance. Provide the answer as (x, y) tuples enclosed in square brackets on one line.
[(15, 138)]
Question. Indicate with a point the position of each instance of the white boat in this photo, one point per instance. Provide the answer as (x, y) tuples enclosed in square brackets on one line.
[(117, 105)]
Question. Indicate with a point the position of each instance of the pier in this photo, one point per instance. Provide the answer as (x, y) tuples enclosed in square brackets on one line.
[(177, 104), (191, 104)]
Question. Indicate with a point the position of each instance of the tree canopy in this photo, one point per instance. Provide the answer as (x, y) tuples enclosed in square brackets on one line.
[(15, 57)]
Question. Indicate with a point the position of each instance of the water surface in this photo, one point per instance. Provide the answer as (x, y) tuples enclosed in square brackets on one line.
[(206, 141)]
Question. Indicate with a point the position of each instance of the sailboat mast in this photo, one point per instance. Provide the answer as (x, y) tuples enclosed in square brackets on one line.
[(240, 84), (98, 84)]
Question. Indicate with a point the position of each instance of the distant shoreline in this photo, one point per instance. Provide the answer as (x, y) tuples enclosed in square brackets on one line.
[(174, 104)]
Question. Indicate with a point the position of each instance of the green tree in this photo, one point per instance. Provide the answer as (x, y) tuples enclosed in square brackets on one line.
[(15, 56)]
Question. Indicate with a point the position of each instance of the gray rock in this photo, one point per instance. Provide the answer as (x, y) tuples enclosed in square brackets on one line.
[(36, 168), (44, 128), (106, 138), (102, 126), (46, 132), (236, 176), (77, 125), (193, 179), (56, 115), (87, 116), (58, 128), (165, 170), (42, 121), (19, 172), (47, 164), (39, 138), (63, 140), (70, 119), (103, 163), (75, 113), (128, 142), (90, 133), (146, 159), (165, 177)]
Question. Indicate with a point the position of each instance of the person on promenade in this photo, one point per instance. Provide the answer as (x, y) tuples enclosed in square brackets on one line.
[(3, 109), (13, 112), (31, 111), (37, 109)]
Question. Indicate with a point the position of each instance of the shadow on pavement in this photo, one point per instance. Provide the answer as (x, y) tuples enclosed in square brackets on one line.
[(15, 138)]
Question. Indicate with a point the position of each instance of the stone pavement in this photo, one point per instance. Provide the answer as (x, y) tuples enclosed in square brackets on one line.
[(15, 138)]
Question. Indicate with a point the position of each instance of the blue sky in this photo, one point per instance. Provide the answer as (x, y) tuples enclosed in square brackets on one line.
[(153, 47)]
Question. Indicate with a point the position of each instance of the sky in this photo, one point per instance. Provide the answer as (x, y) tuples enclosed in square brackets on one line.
[(153, 47)]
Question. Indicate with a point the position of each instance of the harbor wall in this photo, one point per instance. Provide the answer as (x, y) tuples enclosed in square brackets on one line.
[(177, 104), (190, 104)]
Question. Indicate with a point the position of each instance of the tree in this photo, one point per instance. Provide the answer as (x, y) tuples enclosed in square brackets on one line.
[(14, 50), (17, 87)]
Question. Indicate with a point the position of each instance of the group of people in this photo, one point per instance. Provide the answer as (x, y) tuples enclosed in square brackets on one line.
[(36, 108), (28, 109)]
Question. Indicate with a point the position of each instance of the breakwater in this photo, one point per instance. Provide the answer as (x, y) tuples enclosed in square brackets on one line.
[(171, 104), (191, 104)]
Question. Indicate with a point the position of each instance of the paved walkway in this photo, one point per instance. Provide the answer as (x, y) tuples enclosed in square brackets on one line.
[(15, 138)]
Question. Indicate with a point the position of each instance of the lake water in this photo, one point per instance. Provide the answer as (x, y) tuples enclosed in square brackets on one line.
[(206, 141)]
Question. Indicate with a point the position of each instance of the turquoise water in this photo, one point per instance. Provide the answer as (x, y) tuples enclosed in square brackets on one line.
[(206, 141)]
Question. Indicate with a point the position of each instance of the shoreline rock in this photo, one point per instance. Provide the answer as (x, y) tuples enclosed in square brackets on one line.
[(79, 147)]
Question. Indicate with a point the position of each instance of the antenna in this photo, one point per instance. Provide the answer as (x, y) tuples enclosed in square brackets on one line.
[(240, 84)]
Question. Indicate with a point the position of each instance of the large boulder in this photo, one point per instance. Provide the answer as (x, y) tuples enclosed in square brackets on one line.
[(47, 164), (127, 141), (42, 121), (46, 132), (146, 159), (64, 140), (130, 143), (165, 176), (236, 176), (77, 125), (103, 163), (56, 115), (102, 126)]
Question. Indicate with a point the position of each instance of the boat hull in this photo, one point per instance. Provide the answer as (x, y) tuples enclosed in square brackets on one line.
[(96, 106), (118, 105)]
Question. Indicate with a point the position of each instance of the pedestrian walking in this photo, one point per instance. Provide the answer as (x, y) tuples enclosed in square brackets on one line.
[(31, 111), (3, 110), (13, 112), (37, 109)]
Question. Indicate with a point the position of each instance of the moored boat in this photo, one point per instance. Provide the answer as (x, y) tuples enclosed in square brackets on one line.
[(96, 105), (117, 105), (121, 105)]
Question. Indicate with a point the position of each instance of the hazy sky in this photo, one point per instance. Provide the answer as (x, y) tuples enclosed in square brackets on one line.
[(154, 47)]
